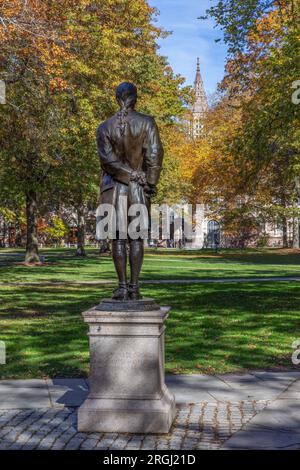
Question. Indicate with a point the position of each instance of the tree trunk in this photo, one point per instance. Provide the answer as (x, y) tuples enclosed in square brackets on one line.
[(4, 234), (18, 235), (80, 234), (285, 243), (296, 233), (32, 251)]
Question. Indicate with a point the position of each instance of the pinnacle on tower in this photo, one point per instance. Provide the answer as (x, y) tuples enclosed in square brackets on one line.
[(198, 67), (201, 105)]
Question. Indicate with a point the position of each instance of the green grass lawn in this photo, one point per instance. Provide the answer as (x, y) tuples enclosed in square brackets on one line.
[(61, 265), (212, 328)]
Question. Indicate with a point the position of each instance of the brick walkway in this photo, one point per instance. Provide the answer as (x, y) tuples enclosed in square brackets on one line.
[(198, 426), (248, 411)]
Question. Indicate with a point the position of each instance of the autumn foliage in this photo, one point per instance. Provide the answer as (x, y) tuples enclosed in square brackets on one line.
[(248, 157), (61, 62)]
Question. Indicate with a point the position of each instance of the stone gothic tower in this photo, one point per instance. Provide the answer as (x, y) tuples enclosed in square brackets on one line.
[(200, 106)]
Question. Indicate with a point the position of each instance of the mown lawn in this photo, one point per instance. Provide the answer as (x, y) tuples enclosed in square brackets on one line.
[(62, 265), (212, 328)]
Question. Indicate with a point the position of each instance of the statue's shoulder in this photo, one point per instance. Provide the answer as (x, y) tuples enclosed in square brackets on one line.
[(105, 126), (145, 118)]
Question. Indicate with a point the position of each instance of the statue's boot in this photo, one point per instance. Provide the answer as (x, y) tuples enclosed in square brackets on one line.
[(121, 293), (136, 256), (119, 253), (134, 292)]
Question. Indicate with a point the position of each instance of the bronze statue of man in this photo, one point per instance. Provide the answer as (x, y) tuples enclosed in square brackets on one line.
[(131, 156)]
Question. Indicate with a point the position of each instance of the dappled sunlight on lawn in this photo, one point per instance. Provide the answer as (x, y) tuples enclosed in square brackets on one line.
[(211, 328), (63, 265)]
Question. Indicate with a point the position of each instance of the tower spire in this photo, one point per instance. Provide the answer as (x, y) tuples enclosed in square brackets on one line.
[(201, 105), (198, 73)]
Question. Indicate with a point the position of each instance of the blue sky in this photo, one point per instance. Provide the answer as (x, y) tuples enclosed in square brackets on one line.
[(191, 38)]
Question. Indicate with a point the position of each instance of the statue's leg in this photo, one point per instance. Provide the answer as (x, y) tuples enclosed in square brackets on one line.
[(136, 256), (119, 254)]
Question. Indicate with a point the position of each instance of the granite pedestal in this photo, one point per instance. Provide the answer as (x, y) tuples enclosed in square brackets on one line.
[(127, 379)]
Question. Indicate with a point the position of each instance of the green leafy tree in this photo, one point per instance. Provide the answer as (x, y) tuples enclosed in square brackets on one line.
[(56, 230), (61, 62), (263, 64)]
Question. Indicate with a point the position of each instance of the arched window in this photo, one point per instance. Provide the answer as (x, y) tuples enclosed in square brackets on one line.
[(213, 234)]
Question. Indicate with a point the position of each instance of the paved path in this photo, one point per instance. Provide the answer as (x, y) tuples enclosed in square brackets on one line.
[(110, 282), (277, 427), (255, 410)]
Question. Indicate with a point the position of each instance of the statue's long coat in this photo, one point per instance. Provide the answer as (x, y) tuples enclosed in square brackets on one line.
[(138, 149)]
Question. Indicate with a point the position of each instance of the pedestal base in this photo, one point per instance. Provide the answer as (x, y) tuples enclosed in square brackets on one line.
[(127, 383), (127, 416)]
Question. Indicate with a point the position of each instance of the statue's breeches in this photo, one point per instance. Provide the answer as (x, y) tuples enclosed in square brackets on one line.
[(124, 198)]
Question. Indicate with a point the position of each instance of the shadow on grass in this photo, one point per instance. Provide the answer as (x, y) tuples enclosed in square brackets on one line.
[(62, 265), (232, 327), (44, 331), (211, 328)]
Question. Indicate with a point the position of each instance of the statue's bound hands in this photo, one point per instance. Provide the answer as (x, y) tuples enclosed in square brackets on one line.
[(138, 177)]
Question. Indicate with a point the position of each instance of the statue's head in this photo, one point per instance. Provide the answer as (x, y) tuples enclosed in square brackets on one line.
[(126, 94)]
